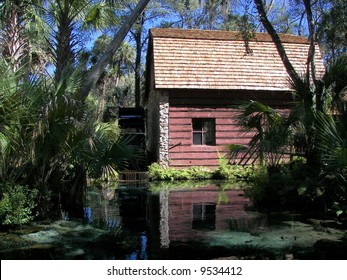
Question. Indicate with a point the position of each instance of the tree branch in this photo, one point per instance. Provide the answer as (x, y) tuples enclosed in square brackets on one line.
[(96, 72), (278, 43), (310, 60)]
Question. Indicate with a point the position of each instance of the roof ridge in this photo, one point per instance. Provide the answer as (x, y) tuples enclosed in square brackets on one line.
[(222, 35)]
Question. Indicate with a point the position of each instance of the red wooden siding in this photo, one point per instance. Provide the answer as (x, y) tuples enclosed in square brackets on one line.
[(216, 105), (183, 153), (181, 212)]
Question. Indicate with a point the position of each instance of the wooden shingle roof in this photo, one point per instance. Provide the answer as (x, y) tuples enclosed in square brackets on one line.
[(201, 59)]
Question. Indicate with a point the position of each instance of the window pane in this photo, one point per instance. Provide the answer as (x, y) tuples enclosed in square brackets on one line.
[(204, 132), (197, 138), (208, 140), (209, 128), (197, 124)]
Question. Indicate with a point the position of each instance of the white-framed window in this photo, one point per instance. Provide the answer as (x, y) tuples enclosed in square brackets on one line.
[(204, 131)]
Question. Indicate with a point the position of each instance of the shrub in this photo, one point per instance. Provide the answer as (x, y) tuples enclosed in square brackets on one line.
[(296, 186), (200, 173), (278, 187), (161, 173), (224, 171), (164, 173), (17, 204)]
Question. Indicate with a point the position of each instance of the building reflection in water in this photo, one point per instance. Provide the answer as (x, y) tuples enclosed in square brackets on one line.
[(204, 216), (157, 219), (187, 215)]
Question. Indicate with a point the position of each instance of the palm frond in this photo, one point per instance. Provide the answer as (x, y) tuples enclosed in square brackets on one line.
[(335, 82), (111, 157), (331, 141), (270, 133)]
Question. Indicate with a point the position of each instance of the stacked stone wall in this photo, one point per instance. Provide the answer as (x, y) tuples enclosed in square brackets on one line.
[(164, 129)]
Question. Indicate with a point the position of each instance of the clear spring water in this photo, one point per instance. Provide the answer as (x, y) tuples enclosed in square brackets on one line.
[(144, 222)]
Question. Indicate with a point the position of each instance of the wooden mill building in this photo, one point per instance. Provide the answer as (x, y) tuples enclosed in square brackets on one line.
[(193, 79)]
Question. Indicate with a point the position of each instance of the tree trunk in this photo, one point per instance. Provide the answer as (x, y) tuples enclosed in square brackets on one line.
[(138, 39), (278, 43), (138, 78), (14, 41), (99, 67), (311, 65), (307, 94), (64, 54)]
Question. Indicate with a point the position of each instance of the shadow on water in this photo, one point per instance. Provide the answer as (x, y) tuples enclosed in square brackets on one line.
[(150, 222)]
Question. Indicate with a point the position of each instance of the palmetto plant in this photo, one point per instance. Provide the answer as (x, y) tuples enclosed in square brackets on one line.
[(110, 151), (269, 142), (305, 128), (8, 104), (331, 143), (331, 140), (50, 138), (69, 143), (319, 134), (51, 141), (15, 120), (336, 84)]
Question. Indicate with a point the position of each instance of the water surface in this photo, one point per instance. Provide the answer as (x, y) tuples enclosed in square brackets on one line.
[(144, 222)]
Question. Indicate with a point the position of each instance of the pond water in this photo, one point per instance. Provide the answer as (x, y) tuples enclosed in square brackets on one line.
[(210, 221)]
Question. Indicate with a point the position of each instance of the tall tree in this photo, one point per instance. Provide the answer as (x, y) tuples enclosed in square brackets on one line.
[(70, 22), (197, 14), (332, 31), (20, 25), (137, 32), (277, 41), (111, 88), (13, 39), (64, 14), (302, 85), (97, 70), (151, 16)]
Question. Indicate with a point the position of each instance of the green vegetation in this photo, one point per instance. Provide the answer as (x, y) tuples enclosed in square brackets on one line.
[(315, 129), (163, 173), (54, 95), (51, 141), (296, 186), (315, 132), (17, 204), (52, 137), (157, 186), (224, 171)]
